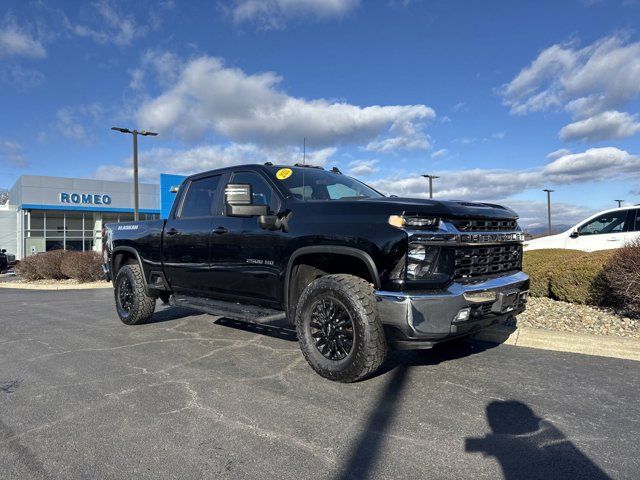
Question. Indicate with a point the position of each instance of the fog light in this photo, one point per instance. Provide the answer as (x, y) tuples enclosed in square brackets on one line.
[(463, 314), (480, 297)]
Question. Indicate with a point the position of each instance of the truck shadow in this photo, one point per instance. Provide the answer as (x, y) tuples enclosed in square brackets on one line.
[(434, 356), (279, 329), (167, 314)]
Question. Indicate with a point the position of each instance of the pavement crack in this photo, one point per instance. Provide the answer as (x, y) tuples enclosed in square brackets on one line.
[(120, 347)]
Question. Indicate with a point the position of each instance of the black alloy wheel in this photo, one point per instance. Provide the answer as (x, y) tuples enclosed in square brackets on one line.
[(332, 328)]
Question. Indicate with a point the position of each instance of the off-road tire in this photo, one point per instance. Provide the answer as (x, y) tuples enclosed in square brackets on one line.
[(142, 305), (369, 348)]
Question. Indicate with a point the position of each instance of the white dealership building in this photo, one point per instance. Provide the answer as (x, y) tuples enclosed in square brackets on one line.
[(48, 213)]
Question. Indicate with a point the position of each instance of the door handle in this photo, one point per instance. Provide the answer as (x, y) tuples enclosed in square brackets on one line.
[(613, 239), (173, 231), (220, 230)]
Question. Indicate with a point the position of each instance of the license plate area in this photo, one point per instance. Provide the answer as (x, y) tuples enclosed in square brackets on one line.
[(507, 301)]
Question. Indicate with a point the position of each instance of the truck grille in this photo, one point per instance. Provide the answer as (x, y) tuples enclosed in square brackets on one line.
[(495, 225), (477, 261)]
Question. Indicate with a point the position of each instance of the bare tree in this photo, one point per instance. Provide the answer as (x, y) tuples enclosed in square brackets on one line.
[(4, 197)]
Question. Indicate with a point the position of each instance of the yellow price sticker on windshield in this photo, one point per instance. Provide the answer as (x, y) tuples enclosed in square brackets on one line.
[(283, 173)]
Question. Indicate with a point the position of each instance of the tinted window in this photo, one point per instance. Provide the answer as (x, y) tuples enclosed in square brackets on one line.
[(262, 193), (201, 197), (612, 222), (318, 184), (635, 226)]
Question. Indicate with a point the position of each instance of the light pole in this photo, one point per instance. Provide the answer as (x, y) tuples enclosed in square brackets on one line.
[(135, 133), (548, 207), (430, 177), (619, 202)]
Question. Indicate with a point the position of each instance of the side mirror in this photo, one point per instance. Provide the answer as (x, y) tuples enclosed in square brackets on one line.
[(269, 222), (239, 201), (275, 222), (574, 234)]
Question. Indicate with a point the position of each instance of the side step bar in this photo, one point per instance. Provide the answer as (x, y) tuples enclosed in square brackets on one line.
[(235, 311)]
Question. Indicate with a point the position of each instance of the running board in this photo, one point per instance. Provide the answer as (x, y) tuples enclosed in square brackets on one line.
[(235, 311)]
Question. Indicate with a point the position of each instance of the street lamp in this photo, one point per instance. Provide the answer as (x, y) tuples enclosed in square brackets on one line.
[(135, 134), (548, 207), (430, 177), (619, 202)]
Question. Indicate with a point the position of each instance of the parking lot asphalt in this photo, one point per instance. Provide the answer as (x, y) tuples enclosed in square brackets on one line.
[(193, 396)]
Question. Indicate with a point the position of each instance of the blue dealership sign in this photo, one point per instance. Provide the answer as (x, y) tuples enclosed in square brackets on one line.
[(85, 198)]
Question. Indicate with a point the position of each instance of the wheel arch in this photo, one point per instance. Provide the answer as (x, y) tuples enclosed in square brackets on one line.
[(361, 257), (121, 256)]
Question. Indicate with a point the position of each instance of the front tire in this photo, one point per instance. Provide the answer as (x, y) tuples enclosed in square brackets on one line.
[(338, 328), (133, 304)]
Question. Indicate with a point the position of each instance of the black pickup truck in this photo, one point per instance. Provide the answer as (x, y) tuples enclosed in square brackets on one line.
[(354, 271)]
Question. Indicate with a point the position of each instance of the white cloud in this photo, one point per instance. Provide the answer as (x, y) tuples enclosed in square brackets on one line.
[(208, 157), (558, 153), (273, 14), (499, 186), (595, 164), (209, 97), (21, 78), (362, 167), (438, 154), (592, 165), (534, 213), (585, 82), (73, 122), (460, 107), (18, 43), (12, 152), (605, 125), (109, 26)]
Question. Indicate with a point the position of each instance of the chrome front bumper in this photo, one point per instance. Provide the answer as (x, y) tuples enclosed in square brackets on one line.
[(435, 315)]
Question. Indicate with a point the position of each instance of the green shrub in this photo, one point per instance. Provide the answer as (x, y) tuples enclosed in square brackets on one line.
[(541, 266), (623, 273), (569, 275), (581, 279), (82, 266)]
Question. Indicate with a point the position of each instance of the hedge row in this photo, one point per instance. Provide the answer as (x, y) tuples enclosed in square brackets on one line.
[(609, 278), (569, 275), (60, 265)]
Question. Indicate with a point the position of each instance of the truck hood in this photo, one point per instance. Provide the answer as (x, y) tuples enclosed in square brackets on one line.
[(418, 206)]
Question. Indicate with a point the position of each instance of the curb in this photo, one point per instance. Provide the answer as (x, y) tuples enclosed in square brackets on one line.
[(585, 343), (66, 286)]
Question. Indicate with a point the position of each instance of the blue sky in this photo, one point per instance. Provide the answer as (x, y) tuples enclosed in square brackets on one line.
[(500, 99)]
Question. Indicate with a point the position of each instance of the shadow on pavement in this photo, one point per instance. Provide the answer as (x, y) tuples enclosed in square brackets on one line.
[(171, 313), (434, 356), (530, 447), (368, 446), (269, 330)]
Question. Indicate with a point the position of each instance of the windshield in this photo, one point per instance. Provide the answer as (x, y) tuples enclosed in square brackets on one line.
[(316, 184)]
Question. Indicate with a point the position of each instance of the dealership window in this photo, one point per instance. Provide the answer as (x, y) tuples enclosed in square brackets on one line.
[(78, 231)]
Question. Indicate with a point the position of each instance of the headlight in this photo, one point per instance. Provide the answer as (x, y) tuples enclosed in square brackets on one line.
[(421, 261), (414, 221)]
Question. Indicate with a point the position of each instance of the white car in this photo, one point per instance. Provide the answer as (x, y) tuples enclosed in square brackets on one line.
[(602, 231)]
